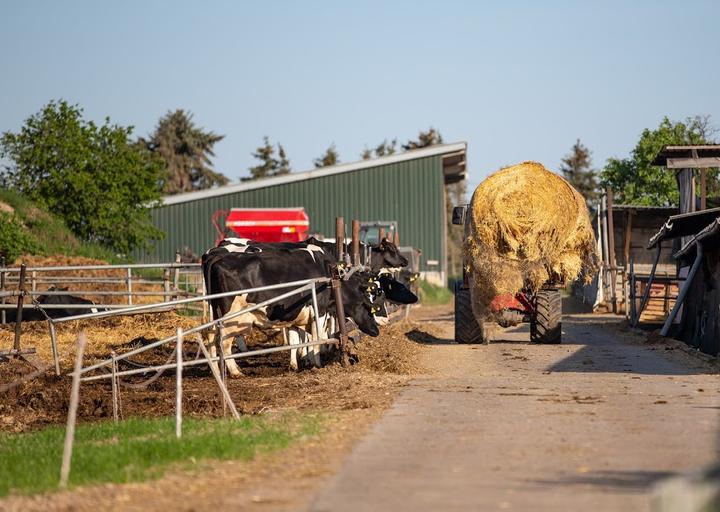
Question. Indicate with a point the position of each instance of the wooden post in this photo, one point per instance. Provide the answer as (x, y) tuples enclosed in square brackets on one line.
[(72, 413), (340, 237), (611, 248), (178, 383), (703, 189), (627, 246), (114, 387), (355, 242), (21, 299), (166, 284), (340, 313), (176, 274)]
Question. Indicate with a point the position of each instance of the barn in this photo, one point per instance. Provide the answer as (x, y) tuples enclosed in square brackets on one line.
[(406, 187)]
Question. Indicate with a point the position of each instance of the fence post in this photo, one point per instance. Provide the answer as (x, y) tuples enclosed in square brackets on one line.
[(72, 413), (340, 237), (176, 275), (129, 286), (178, 383), (166, 284), (355, 242), (114, 386), (33, 281), (21, 299), (340, 312)]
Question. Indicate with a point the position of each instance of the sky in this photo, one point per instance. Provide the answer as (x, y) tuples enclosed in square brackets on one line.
[(515, 80)]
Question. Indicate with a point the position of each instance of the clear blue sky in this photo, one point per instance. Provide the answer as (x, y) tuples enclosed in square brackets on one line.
[(516, 80)]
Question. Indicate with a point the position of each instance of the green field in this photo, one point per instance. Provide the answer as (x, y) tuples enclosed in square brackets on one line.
[(140, 449), (432, 295)]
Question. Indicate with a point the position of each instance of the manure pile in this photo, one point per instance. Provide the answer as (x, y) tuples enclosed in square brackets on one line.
[(527, 226)]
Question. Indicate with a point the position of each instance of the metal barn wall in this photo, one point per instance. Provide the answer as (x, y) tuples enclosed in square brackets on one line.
[(410, 192)]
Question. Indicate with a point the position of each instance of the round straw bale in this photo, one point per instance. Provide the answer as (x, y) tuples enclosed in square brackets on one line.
[(527, 227)]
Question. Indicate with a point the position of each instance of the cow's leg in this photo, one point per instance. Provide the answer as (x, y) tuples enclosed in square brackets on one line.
[(316, 350), (293, 338), (229, 332)]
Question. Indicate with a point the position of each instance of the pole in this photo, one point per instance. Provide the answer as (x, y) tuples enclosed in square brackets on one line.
[(683, 291), (114, 387), (178, 384), (355, 242), (646, 292), (72, 413), (218, 379), (611, 248), (129, 286), (53, 345), (176, 274), (21, 299), (340, 237), (340, 312)]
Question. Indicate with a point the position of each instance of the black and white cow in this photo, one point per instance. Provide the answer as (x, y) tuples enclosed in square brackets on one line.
[(228, 270), (32, 314), (384, 255)]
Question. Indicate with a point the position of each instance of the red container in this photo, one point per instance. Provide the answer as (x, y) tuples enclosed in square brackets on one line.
[(269, 224)]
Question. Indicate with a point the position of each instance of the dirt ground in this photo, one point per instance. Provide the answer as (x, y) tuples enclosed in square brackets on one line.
[(421, 423)]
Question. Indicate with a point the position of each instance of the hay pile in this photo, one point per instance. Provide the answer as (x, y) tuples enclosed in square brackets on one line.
[(527, 226)]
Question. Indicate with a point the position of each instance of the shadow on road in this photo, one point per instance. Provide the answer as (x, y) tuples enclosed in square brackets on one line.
[(622, 481), (426, 338)]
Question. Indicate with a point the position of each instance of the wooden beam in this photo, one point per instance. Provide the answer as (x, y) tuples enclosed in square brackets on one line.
[(611, 249), (692, 163), (627, 239)]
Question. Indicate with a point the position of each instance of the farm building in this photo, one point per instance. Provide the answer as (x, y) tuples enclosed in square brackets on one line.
[(406, 187)]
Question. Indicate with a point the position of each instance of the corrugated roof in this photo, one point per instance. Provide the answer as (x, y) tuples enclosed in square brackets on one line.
[(684, 224), (454, 169), (699, 155)]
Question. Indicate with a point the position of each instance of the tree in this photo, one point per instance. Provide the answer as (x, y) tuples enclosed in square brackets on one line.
[(425, 139), (269, 166), (636, 180), (94, 177), (577, 170), (385, 148), (186, 151), (330, 157)]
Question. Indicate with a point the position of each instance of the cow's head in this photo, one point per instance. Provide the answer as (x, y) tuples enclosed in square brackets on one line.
[(362, 298), (395, 291), (389, 254)]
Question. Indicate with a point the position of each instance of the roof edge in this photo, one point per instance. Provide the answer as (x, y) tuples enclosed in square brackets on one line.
[(438, 149)]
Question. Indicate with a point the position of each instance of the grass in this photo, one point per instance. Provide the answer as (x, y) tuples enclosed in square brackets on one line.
[(140, 449), (38, 224), (433, 295)]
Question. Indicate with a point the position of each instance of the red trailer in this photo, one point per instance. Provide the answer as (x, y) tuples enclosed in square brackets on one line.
[(264, 224)]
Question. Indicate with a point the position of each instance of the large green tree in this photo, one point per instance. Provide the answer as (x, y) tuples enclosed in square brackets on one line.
[(577, 170), (330, 157), (93, 176), (269, 164), (186, 150), (635, 180)]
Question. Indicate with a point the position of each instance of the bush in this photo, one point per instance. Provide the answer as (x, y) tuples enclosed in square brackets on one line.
[(14, 238), (431, 294)]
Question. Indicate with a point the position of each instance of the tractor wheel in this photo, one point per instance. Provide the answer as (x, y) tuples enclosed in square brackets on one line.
[(546, 322), (467, 329)]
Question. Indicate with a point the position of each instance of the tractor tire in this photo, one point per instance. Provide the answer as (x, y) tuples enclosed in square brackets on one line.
[(546, 322), (467, 329)]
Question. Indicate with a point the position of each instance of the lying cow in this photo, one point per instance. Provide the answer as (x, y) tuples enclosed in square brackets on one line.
[(33, 314), (225, 270)]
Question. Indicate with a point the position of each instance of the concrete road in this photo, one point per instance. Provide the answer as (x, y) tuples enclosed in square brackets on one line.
[(586, 425)]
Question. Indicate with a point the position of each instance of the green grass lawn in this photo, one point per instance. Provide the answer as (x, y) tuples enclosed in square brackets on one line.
[(140, 449), (432, 295)]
